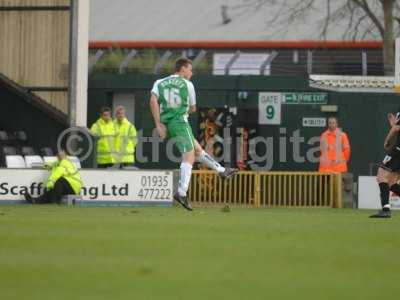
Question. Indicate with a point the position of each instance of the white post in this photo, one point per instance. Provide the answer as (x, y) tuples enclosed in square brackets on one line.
[(397, 66), (309, 61), (364, 63), (79, 52)]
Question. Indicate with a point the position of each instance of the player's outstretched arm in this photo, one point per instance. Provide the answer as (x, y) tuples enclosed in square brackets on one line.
[(389, 140), (393, 120)]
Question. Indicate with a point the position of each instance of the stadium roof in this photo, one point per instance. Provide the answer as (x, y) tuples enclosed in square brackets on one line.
[(193, 20)]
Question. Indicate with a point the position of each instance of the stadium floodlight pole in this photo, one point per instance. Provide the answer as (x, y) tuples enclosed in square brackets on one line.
[(94, 59), (125, 62), (230, 63), (78, 62), (267, 62), (161, 61), (199, 58)]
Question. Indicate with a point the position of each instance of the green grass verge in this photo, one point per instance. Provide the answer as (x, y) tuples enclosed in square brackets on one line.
[(52, 252)]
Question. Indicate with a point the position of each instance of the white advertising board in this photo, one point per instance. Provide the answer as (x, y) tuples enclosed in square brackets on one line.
[(314, 122), (114, 187), (246, 63), (368, 194)]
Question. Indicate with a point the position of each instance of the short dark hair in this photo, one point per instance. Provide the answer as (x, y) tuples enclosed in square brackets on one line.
[(333, 117), (104, 109), (182, 62)]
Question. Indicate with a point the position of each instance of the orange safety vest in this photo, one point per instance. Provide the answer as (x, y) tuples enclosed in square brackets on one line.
[(335, 151)]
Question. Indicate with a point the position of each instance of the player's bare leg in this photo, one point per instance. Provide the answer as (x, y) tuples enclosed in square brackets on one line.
[(385, 179), (206, 159), (394, 183)]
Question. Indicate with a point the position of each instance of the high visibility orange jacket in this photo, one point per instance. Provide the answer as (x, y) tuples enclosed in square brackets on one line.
[(335, 151)]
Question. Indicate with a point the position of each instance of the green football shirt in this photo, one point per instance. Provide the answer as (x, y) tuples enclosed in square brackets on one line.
[(175, 95)]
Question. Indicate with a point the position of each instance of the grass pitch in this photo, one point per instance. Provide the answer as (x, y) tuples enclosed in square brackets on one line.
[(52, 252)]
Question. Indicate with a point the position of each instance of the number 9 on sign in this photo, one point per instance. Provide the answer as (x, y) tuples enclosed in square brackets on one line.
[(270, 110)]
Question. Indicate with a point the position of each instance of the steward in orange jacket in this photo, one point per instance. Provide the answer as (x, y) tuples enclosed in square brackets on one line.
[(335, 149)]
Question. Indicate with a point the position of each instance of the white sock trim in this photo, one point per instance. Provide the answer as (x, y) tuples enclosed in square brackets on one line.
[(184, 178), (210, 162)]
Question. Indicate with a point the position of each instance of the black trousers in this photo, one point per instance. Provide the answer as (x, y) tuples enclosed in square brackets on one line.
[(61, 188), (119, 166), (104, 166), (122, 165)]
